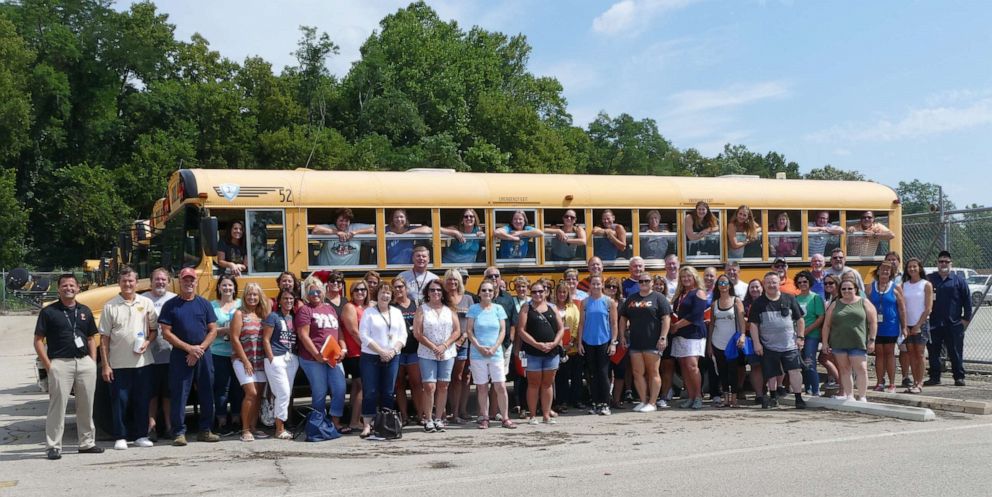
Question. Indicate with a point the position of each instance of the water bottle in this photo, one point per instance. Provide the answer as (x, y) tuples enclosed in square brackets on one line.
[(139, 341)]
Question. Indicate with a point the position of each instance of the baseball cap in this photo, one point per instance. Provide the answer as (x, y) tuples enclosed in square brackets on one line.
[(187, 271), (463, 272)]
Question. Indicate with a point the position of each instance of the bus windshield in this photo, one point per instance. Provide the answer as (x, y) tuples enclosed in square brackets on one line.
[(177, 244)]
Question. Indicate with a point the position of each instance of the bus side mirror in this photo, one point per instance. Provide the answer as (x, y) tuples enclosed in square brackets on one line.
[(125, 246), (208, 235)]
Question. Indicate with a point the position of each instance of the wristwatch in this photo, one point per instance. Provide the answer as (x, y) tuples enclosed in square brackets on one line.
[(615, 342)]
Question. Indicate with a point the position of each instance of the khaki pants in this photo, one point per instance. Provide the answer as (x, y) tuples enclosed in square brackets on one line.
[(62, 377)]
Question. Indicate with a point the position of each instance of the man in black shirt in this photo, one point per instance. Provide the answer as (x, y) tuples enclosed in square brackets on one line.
[(63, 339)]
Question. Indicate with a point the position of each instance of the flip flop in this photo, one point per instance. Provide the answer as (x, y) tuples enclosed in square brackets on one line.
[(344, 430)]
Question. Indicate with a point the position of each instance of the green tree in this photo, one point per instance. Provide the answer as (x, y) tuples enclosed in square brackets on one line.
[(918, 197), (624, 145), (829, 172), (15, 98), (87, 211), (13, 222)]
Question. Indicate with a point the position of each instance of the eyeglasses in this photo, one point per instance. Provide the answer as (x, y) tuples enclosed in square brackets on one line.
[(611, 287), (944, 261), (829, 283), (486, 290), (537, 292), (568, 217), (468, 216), (435, 290), (848, 289), (492, 276), (802, 282)]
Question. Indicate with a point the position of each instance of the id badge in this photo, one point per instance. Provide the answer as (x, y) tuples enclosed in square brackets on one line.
[(78, 341), (881, 318)]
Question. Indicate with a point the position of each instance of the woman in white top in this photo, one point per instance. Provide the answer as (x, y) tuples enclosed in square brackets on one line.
[(917, 293), (728, 318), (383, 333), (436, 328)]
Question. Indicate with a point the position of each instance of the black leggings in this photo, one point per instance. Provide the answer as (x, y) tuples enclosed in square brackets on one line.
[(726, 370), (598, 367)]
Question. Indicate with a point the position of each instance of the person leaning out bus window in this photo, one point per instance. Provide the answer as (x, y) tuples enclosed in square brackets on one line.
[(867, 233), (741, 231), (820, 230), (782, 245), (231, 250), (699, 224), (344, 251), (654, 247), (613, 237), (514, 243), (399, 251), (564, 248), (462, 250)]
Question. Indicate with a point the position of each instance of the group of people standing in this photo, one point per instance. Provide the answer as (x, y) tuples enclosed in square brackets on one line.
[(575, 344)]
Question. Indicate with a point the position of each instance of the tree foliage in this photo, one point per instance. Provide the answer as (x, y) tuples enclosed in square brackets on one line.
[(99, 106)]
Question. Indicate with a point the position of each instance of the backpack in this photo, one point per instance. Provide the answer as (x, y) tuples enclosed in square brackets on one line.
[(387, 425), (319, 427)]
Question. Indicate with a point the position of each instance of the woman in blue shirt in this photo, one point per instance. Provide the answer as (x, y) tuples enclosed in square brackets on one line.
[(400, 251), (597, 342), (226, 387), (514, 243), (486, 328), (886, 295), (463, 249)]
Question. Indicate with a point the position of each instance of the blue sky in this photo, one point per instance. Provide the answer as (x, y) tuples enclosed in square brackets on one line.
[(895, 89)]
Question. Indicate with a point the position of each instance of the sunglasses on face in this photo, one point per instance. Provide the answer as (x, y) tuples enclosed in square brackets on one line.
[(611, 287), (468, 216), (361, 289), (644, 281), (313, 293), (568, 217), (723, 283), (802, 282), (846, 289), (537, 292), (830, 283), (486, 290), (492, 276), (434, 290)]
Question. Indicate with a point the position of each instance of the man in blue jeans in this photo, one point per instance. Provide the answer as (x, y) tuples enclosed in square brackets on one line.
[(950, 316), (188, 322)]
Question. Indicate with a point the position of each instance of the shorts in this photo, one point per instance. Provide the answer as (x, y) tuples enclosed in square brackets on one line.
[(408, 359), (160, 380), (507, 357), (667, 353), (258, 375), (620, 370), (886, 340), (542, 363), (774, 363), (433, 371), (922, 338), (462, 353), (645, 351), (688, 347), (352, 367), (484, 371), (851, 352)]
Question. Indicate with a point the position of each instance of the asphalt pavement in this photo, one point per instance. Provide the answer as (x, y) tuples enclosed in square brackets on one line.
[(742, 452)]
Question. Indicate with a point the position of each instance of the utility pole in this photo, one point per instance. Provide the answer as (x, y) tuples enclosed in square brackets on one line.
[(943, 220)]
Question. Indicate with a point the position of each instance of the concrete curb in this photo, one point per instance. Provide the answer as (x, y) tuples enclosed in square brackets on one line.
[(939, 403), (892, 411)]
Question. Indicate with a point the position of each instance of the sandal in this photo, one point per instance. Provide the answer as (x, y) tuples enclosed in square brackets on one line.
[(246, 436), (890, 389), (284, 435), (914, 389), (344, 430), (484, 424), (509, 424), (365, 434), (261, 435), (879, 388)]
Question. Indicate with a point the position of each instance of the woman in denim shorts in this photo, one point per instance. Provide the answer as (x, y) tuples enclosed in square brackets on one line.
[(541, 331), (849, 332)]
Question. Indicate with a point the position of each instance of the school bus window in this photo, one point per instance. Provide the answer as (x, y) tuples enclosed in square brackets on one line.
[(823, 232), (610, 236), (658, 236), (341, 237), (702, 233), (743, 233), (232, 252), (514, 235), (266, 241), (867, 234), (564, 235), (406, 229), (785, 238), (463, 236)]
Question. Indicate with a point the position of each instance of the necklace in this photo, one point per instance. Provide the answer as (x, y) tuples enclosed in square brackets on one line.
[(388, 321)]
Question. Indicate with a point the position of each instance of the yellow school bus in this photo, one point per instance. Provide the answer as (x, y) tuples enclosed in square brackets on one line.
[(290, 222)]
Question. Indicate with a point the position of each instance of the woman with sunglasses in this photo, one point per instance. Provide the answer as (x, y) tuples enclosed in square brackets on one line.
[(485, 326), (281, 361), (409, 364), (849, 332), (755, 289), (918, 294), (458, 390), (813, 311), (351, 315), (886, 296), (316, 323), (383, 334), (563, 247), (541, 332), (597, 342), (831, 292), (335, 292), (436, 328), (568, 381), (727, 313), (463, 249), (644, 321)]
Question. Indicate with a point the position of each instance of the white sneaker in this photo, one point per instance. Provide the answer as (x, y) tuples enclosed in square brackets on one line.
[(648, 408), (605, 410), (120, 444), (840, 397), (143, 442), (638, 407), (661, 404)]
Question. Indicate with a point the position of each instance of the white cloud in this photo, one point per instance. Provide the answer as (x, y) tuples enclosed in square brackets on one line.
[(917, 123), (573, 76), (691, 101), (632, 16)]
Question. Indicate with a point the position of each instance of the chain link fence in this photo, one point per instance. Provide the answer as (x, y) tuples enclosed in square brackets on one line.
[(967, 235)]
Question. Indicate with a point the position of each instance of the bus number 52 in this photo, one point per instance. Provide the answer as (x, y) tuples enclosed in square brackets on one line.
[(285, 195)]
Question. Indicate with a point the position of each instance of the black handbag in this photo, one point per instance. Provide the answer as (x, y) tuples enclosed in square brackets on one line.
[(387, 425)]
